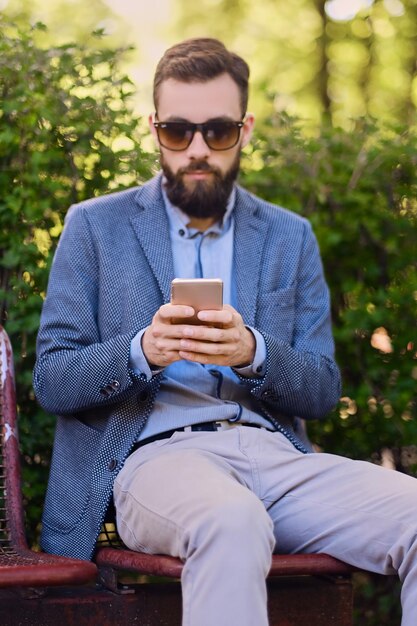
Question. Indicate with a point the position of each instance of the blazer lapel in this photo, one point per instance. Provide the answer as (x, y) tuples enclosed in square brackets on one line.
[(152, 229), (250, 236)]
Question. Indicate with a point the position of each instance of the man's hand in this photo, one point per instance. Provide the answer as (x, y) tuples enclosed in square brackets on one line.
[(221, 339), (161, 340)]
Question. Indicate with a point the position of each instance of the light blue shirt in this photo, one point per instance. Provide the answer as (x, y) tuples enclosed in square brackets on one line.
[(191, 393), (203, 255)]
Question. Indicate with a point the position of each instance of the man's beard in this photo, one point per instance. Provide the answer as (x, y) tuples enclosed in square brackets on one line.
[(202, 198)]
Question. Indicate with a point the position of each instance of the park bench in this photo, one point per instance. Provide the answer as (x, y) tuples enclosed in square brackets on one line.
[(313, 590)]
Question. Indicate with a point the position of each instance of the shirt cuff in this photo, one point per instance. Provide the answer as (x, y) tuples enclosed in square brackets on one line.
[(137, 360), (258, 366)]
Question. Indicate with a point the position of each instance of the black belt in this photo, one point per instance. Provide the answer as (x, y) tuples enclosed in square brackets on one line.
[(202, 427)]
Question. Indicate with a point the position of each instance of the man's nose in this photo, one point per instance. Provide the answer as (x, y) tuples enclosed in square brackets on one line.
[(198, 149)]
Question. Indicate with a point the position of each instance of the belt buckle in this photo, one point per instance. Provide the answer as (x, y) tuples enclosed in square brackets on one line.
[(224, 425)]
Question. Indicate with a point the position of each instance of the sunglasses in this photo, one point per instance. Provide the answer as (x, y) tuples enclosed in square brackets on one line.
[(177, 136)]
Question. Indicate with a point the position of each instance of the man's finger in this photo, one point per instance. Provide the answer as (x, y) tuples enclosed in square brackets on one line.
[(170, 311), (223, 317)]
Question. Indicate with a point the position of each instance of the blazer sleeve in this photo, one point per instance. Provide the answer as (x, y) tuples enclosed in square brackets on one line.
[(301, 376), (75, 368)]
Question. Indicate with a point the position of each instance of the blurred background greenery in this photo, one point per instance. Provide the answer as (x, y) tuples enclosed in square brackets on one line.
[(344, 57), (334, 88)]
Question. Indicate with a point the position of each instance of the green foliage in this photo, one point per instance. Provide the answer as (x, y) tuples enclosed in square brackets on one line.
[(66, 133), (347, 59), (315, 59), (377, 600), (72, 20), (359, 190)]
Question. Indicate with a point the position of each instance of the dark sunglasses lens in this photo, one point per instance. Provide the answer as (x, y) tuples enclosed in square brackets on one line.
[(221, 135), (175, 136)]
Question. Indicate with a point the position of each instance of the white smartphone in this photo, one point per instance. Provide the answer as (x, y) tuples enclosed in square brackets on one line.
[(200, 293)]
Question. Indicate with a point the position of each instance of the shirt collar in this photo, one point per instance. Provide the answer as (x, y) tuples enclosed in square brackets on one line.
[(179, 221)]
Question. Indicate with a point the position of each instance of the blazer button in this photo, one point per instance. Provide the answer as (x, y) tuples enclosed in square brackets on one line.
[(112, 465), (143, 396)]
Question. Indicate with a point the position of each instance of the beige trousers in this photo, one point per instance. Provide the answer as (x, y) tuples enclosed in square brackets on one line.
[(225, 501)]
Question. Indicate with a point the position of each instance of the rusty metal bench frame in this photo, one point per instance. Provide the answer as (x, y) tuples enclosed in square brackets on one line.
[(319, 576), (20, 566)]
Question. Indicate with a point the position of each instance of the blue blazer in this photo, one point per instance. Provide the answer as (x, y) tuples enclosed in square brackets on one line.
[(111, 272)]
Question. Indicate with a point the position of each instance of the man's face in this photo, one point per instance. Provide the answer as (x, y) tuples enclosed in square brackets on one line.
[(199, 179)]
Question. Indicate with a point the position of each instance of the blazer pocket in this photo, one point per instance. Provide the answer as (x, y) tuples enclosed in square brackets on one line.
[(276, 313), (75, 449)]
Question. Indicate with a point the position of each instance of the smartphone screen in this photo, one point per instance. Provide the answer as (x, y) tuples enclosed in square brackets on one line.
[(200, 293)]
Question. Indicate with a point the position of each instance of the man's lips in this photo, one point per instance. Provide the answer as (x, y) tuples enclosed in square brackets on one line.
[(198, 174)]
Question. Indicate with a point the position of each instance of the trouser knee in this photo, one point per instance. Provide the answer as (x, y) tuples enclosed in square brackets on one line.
[(236, 524)]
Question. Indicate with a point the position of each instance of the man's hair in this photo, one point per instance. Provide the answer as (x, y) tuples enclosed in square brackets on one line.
[(200, 60)]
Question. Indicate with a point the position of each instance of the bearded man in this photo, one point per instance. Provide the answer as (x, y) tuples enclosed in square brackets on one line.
[(194, 430)]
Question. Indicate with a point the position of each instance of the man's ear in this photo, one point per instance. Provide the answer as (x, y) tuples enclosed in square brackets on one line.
[(151, 119), (247, 129)]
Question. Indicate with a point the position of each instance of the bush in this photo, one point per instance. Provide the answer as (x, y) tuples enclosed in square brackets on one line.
[(359, 190), (66, 133)]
